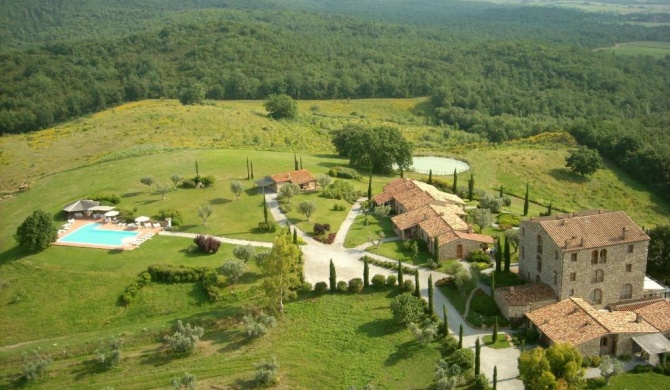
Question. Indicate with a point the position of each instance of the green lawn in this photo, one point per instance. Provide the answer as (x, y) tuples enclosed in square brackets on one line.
[(324, 211), (644, 48), (363, 345), (646, 381), (396, 250), (359, 231), (499, 344)]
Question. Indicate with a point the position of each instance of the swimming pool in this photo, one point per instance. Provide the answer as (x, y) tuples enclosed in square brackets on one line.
[(91, 235)]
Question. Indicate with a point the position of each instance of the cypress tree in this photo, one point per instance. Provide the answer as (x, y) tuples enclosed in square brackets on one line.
[(501, 191), (460, 336), (436, 249), (417, 288), (494, 336), (402, 175), (493, 282), (370, 187), (333, 277), (197, 172), (445, 320), (478, 356), (295, 162), (248, 173), (366, 272), (265, 210), (455, 184), (295, 236), (549, 209), (400, 280), (525, 201), (508, 256), (431, 309), (495, 377), (471, 187), (498, 255), (523, 345), (430, 176), (252, 169), (300, 161)]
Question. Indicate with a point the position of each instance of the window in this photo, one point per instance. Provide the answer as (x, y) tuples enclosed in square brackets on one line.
[(572, 292), (629, 267), (556, 255), (627, 291), (539, 244), (573, 276), (594, 257), (630, 248), (603, 256), (555, 277), (597, 296), (573, 257), (522, 254), (603, 341), (539, 264), (598, 276)]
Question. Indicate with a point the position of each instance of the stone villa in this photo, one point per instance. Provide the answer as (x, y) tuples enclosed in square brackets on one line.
[(302, 177)]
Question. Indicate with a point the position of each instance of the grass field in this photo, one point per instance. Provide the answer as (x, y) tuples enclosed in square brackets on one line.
[(359, 231), (644, 48)]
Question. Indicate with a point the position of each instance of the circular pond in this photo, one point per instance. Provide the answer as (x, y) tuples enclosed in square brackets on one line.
[(441, 166)]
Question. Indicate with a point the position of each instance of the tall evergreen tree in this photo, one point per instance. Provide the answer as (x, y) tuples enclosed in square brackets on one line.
[(265, 210), (252, 169), (525, 201), (300, 161), (295, 162), (478, 356), (493, 282), (501, 191), (333, 277), (430, 176), (495, 377), (295, 236), (366, 272), (431, 309), (436, 249), (445, 321), (549, 209), (402, 173), (248, 173), (370, 187), (417, 288), (197, 171), (507, 255), (460, 336), (471, 187), (454, 186), (498, 255), (494, 336), (400, 278)]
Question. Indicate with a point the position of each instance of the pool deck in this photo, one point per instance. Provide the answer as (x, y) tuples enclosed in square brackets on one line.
[(107, 226)]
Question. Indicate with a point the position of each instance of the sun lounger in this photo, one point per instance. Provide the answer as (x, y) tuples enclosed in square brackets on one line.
[(147, 225), (157, 226)]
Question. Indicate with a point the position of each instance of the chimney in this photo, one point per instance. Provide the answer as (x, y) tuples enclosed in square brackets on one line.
[(511, 289), (566, 243), (582, 242), (624, 232), (638, 318), (562, 222), (600, 211)]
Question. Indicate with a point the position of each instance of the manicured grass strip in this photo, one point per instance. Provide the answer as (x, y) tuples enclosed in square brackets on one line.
[(358, 233), (396, 250), (501, 343)]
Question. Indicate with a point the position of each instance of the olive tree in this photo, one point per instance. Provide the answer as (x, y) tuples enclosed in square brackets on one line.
[(289, 190), (236, 188), (307, 209)]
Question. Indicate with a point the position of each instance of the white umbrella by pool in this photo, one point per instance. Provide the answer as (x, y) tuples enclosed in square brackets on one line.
[(112, 213), (142, 219)]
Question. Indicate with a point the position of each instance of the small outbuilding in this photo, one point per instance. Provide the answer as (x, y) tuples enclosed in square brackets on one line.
[(81, 207), (301, 177)]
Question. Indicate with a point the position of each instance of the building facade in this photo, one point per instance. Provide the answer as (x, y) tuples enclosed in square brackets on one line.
[(599, 256)]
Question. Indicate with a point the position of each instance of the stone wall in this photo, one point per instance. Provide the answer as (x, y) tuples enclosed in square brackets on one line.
[(450, 249)]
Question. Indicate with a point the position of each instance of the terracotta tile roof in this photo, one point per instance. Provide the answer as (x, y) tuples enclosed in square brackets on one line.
[(526, 294), (449, 209), (657, 314), (413, 217), (634, 305), (434, 226), (413, 198), (574, 321), (447, 237), (301, 176), (591, 229), (439, 195), (474, 237)]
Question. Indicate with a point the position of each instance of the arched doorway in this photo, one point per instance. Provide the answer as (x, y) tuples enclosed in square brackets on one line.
[(459, 251)]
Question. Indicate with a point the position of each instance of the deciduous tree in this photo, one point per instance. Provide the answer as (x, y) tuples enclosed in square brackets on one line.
[(282, 270), (236, 188), (204, 212), (377, 148), (584, 161), (37, 231), (323, 180), (281, 106), (176, 179), (232, 269), (148, 181), (289, 190), (307, 209)]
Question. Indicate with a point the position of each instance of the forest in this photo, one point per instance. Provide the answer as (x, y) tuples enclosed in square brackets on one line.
[(502, 72)]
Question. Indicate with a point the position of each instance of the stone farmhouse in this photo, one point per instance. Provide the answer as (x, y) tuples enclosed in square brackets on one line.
[(301, 177), (579, 265), (426, 213)]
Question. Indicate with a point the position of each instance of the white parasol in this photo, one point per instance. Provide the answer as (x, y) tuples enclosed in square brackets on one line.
[(142, 219), (112, 213)]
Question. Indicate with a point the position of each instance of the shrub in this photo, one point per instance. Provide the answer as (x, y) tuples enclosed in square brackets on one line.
[(305, 287), (344, 172), (407, 308), (391, 280), (339, 207), (378, 281), (450, 344), (642, 368), (266, 372), (109, 354), (426, 333), (35, 365), (482, 266), (321, 288), (259, 325), (169, 273), (464, 357), (478, 256), (625, 357), (176, 215), (342, 286), (37, 231), (207, 244), (484, 304), (321, 229), (269, 227), (188, 183), (207, 181), (285, 208), (329, 239), (480, 382), (185, 338), (232, 269), (107, 198), (355, 285), (509, 219), (342, 190), (407, 286)]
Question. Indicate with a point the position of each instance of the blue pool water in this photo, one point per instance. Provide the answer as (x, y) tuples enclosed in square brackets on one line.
[(90, 234)]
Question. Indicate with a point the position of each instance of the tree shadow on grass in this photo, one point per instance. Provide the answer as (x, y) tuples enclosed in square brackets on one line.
[(403, 352), (131, 194), (219, 201), (193, 251), (13, 254), (379, 328), (234, 345), (87, 368), (564, 174), (158, 357), (245, 384), (148, 201), (199, 294)]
